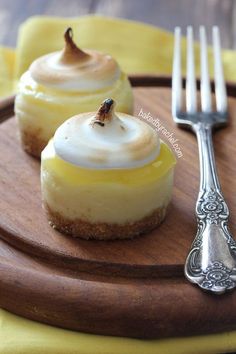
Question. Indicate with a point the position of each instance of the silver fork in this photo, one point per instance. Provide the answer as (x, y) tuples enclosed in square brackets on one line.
[(211, 262)]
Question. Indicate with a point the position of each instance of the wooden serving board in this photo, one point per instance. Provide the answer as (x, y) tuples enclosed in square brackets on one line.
[(133, 288)]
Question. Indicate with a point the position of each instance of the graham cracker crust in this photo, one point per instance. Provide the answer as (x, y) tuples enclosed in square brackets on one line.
[(104, 231), (32, 143)]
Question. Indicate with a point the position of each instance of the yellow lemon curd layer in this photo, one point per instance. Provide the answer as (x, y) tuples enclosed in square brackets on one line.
[(41, 110), (74, 175), (113, 196)]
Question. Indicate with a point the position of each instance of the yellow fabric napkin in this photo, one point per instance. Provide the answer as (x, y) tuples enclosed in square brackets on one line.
[(21, 336), (7, 69), (139, 48)]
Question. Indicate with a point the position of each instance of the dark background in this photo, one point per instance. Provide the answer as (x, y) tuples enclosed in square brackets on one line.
[(163, 13)]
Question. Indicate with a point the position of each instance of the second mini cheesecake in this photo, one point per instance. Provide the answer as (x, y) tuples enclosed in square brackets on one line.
[(62, 84), (106, 175)]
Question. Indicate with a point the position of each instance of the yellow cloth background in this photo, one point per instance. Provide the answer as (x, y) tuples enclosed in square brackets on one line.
[(20, 336), (139, 48)]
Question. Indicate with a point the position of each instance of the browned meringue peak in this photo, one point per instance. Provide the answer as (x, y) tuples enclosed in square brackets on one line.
[(71, 54), (105, 113), (73, 69), (106, 140)]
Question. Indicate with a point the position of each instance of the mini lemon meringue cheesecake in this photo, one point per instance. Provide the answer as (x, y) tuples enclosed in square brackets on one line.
[(106, 176), (62, 84)]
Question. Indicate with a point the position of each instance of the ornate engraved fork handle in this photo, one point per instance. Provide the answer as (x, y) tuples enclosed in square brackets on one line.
[(211, 262)]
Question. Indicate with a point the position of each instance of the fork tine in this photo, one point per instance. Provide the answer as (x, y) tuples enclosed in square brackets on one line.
[(220, 90), (191, 99), (205, 81), (176, 74)]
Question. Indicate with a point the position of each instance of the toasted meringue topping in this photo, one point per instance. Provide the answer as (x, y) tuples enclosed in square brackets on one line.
[(106, 140), (73, 69)]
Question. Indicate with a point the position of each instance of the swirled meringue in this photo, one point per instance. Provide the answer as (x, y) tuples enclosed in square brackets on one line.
[(73, 69), (106, 140)]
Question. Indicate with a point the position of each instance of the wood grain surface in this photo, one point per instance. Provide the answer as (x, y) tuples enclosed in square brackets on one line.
[(126, 288)]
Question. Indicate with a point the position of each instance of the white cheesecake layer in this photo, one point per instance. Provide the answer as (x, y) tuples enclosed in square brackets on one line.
[(98, 201)]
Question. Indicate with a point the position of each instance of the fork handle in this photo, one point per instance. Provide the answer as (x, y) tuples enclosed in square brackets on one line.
[(211, 262), (208, 175)]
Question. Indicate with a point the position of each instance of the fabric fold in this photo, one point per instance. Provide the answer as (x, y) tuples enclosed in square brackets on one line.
[(138, 47)]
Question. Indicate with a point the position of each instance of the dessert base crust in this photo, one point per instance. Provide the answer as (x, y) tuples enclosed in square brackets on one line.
[(32, 143), (104, 231)]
